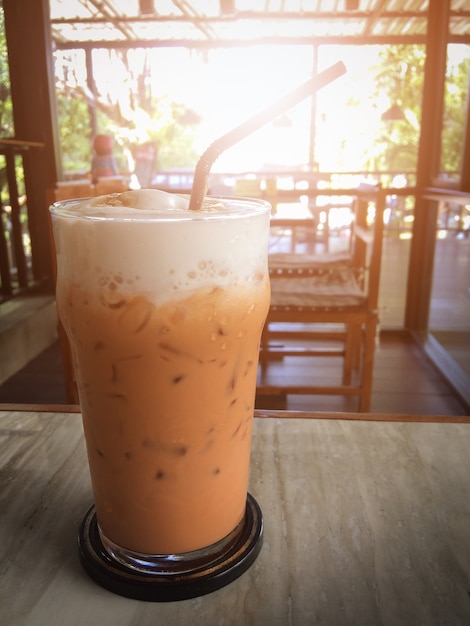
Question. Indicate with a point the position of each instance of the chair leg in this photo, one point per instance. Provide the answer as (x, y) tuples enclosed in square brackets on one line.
[(358, 352), (353, 351), (368, 365), (349, 356)]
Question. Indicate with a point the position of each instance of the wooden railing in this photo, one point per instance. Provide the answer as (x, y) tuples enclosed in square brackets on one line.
[(15, 252), (16, 255)]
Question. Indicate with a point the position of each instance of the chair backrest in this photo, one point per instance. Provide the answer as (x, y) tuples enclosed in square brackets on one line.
[(367, 238)]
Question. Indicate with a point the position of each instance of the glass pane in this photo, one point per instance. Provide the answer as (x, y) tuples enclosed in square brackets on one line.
[(398, 218), (369, 120), (449, 319), (455, 104)]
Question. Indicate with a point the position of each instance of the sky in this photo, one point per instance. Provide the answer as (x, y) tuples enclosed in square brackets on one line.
[(233, 85), (227, 86)]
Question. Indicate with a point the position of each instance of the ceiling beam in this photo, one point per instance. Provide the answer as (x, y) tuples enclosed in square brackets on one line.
[(379, 13), (258, 16), (191, 15), (111, 16), (265, 41)]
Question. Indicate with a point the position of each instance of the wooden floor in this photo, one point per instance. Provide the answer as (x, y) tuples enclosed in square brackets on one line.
[(405, 381)]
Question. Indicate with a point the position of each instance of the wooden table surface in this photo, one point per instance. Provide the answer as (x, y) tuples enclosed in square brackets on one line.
[(367, 522)]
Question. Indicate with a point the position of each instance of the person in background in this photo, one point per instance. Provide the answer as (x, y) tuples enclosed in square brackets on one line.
[(144, 157), (103, 163)]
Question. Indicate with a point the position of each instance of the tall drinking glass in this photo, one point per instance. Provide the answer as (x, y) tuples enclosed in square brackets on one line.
[(163, 308)]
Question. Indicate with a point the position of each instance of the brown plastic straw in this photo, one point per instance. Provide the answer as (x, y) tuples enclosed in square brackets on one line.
[(201, 175)]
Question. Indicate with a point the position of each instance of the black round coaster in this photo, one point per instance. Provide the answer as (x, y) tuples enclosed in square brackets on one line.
[(124, 581)]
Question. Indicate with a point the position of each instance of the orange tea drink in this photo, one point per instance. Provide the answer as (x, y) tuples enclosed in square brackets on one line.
[(164, 309)]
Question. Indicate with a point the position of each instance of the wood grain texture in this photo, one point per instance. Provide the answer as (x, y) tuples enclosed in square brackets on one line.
[(366, 522)]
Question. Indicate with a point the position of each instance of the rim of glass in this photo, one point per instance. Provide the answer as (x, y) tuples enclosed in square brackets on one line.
[(253, 207)]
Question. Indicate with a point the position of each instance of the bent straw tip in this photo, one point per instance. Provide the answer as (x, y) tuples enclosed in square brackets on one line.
[(335, 71)]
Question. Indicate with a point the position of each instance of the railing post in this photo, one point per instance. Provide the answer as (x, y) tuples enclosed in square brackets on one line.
[(5, 276), (16, 227)]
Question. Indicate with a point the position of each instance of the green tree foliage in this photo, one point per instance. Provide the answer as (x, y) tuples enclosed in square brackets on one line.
[(7, 128), (455, 104), (162, 123), (75, 131), (400, 76), (131, 114), (6, 108)]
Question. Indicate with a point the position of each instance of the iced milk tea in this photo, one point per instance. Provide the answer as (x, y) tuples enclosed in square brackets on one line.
[(164, 311)]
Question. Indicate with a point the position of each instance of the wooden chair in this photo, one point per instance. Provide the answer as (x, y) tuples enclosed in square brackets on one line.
[(329, 299)]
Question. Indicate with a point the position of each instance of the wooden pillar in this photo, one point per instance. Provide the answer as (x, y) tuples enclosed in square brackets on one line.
[(28, 34), (424, 226), (313, 116), (90, 78)]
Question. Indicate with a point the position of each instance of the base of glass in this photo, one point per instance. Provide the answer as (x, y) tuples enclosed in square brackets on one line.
[(165, 578)]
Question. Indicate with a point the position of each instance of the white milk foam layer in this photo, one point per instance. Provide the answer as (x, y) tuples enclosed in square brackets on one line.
[(148, 241)]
